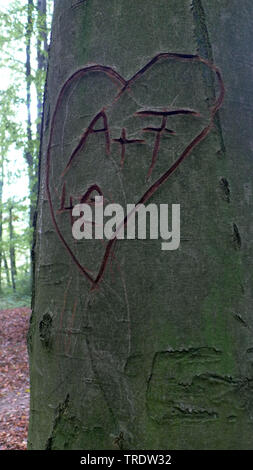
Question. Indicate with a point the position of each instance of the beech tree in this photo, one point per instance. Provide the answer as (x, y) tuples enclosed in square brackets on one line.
[(133, 347)]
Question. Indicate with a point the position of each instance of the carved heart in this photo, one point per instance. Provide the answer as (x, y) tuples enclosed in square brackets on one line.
[(124, 87)]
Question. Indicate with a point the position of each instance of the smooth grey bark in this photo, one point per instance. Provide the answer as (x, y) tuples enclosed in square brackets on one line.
[(159, 356)]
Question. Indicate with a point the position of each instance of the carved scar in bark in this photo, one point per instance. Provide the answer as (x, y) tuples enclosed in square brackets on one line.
[(124, 86)]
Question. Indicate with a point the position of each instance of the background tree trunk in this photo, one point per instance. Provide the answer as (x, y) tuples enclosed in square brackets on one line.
[(29, 155), (12, 250), (6, 268), (159, 356), (42, 51)]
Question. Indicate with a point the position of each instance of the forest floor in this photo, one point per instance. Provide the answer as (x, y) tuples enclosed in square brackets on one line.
[(14, 379)]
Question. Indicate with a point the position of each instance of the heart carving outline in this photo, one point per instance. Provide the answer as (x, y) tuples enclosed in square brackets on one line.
[(125, 86)]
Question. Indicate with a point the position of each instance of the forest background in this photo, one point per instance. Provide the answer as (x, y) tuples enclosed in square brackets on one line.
[(24, 43)]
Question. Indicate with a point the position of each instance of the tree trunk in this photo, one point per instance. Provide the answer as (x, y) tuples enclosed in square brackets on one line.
[(6, 267), (29, 148), (42, 50), (130, 346), (12, 250)]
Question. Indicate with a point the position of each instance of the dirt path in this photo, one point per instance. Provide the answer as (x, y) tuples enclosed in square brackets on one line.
[(14, 379)]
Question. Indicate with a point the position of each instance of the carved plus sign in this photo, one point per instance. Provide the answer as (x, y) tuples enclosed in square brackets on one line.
[(123, 141)]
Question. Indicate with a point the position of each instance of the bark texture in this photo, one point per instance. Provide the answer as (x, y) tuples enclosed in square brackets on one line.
[(159, 355)]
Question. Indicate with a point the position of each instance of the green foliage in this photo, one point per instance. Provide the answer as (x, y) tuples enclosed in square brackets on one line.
[(11, 131), (24, 32)]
